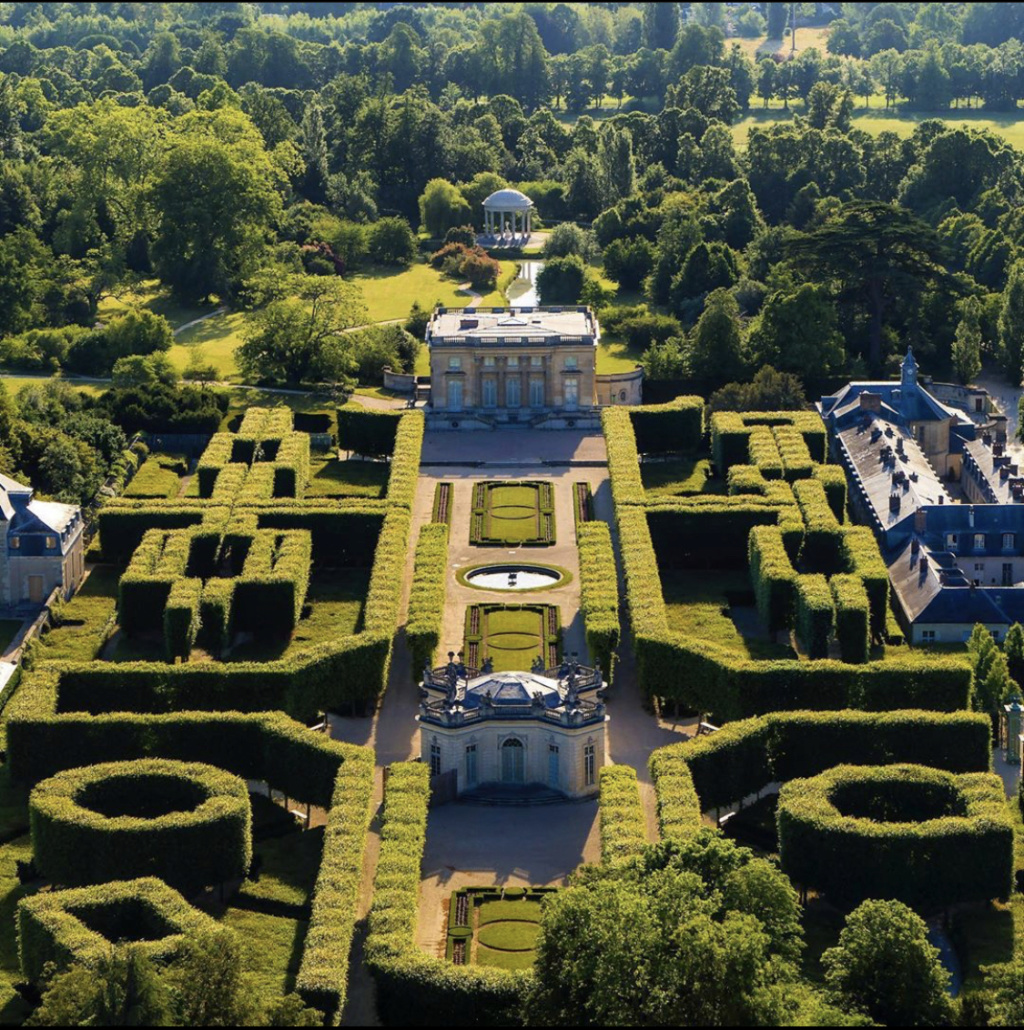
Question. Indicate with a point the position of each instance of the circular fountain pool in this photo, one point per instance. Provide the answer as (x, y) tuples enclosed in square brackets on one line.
[(514, 576)]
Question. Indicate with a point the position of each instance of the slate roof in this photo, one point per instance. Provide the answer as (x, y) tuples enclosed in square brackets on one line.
[(25, 514)]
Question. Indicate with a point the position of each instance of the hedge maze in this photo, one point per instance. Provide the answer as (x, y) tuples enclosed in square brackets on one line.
[(138, 766), (811, 574)]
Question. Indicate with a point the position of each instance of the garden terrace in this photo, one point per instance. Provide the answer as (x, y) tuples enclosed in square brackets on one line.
[(514, 514), (775, 545)]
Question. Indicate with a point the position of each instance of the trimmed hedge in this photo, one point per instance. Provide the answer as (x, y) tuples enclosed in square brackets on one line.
[(675, 426), (187, 823), (81, 925), (599, 594), (744, 757), (623, 825), (764, 452), (923, 836), (405, 459), (773, 577), (821, 551), (815, 615), (270, 592), (833, 480), (413, 988), (796, 456), (852, 617), (623, 457), (730, 429), (366, 431), (861, 556), (427, 595), (181, 618)]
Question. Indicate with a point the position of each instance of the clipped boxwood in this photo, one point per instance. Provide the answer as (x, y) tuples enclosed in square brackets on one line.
[(81, 925), (744, 757), (773, 577), (815, 614), (427, 595), (852, 617), (414, 988), (675, 426), (923, 836), (186, 822), (822, 546), (623, 825), (599, 593)]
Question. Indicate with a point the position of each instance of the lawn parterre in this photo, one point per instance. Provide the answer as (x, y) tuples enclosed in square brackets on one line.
[(710, 532), (513, 636), (494, 926), (240, 716), (518, 513)]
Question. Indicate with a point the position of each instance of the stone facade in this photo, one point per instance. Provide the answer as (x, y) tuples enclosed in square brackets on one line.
[(492, 366), (515, 729), (42, 549)]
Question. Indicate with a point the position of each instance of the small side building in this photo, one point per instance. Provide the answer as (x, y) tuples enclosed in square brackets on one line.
[(43, 547), (514, 729)]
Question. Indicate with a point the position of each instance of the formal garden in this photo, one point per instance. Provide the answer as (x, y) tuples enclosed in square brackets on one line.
[(513, 637), (515, 514), (213, 630), (494, 926)]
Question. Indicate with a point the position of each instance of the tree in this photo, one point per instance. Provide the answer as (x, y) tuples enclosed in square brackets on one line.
[(1011, 326), (661, 25), (443, 207), (313, 150), (629, 262), (141, 371), (966, 352), (123, 989), (665, 359), (768, 391), (390, 241), (1013, 648), (568, 238), (798, 331), (715, 347), (1005, 984), (878, 255), (885, 967), (561, 280), (300, 338), (777, 15), (207, 985), (216, 202), (671, 939), (982, 649)]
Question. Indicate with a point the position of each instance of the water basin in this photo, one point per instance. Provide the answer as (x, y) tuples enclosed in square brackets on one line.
[(514, 576)]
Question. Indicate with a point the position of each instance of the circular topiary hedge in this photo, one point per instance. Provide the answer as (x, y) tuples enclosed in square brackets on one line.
[(187, 823), (924, 836)]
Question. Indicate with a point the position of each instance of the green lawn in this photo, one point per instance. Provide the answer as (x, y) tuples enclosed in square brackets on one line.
[(159, 476), (218, 337), (513, 514), (511, 636), (506, 933), (290, 866), (331, 477), (680, 477), (16, 383), (271, 950), (84, 618), (696, 606)]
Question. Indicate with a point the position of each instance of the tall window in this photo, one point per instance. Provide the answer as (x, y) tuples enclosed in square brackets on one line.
[(1008, 574), (536, 393), (435, 759), (471, 773), (513, 392), (572, 393), (490, 392), (588, 765), (979, 541), (1007, 541)]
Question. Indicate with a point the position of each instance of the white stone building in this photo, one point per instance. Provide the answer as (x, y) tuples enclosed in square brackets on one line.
[(515, 729), (42, 549)]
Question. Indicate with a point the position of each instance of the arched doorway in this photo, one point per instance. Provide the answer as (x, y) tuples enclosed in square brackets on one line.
[(513, 761)]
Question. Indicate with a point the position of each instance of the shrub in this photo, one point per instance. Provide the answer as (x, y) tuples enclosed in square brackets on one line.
[(187, 823), (181, 618), (815, 614), (821, 551), (427, 595), (675, 426), (772, 575), (852, 617), (390, 241), (81, 925), (599, 593), (922, 836), (623, 825)]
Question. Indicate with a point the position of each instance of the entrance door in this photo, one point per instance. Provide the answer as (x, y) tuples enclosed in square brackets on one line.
[(572, 393), (512, 392), (553, 766), (455, 395), (536, 393), (35, 589), (490, 392), (512, 761), (471, 765)]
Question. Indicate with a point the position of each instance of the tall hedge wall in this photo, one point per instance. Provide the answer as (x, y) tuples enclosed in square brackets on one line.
[(427, 595), (676, 426), (599, 593), (744, 757), (623, 824), (413, 988)]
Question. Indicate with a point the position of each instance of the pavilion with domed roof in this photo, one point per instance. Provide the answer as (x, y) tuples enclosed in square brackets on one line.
[(511, 730), (508, 217)]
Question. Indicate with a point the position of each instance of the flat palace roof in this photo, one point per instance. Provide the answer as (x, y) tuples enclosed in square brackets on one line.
[(483, 327)]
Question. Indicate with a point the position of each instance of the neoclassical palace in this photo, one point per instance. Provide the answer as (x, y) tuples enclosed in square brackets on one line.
[(517, 729), (491, 366)]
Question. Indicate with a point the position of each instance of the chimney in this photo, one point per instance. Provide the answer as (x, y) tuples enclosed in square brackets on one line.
[(915, 546), (920, 520), (870, 401), (895, 502), (970, 516)]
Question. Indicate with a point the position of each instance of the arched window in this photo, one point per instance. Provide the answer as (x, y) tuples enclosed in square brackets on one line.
[(513, 761)]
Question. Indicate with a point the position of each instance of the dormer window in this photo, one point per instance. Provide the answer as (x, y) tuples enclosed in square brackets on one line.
[(15, 543), (979, 541), (51, 542)]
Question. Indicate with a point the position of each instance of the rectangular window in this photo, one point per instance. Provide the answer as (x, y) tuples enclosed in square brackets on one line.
[(588, 765), (1007, 574), (51, 542), (513, 362), (471, 774), (536, 360), (455, 362), (1008, 541), (572, 361), (490, 392), (536, 393), (927, 636), (979, 566), (435, 759), (488, 361), (572, 393), (951, 540), (979, 541)]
